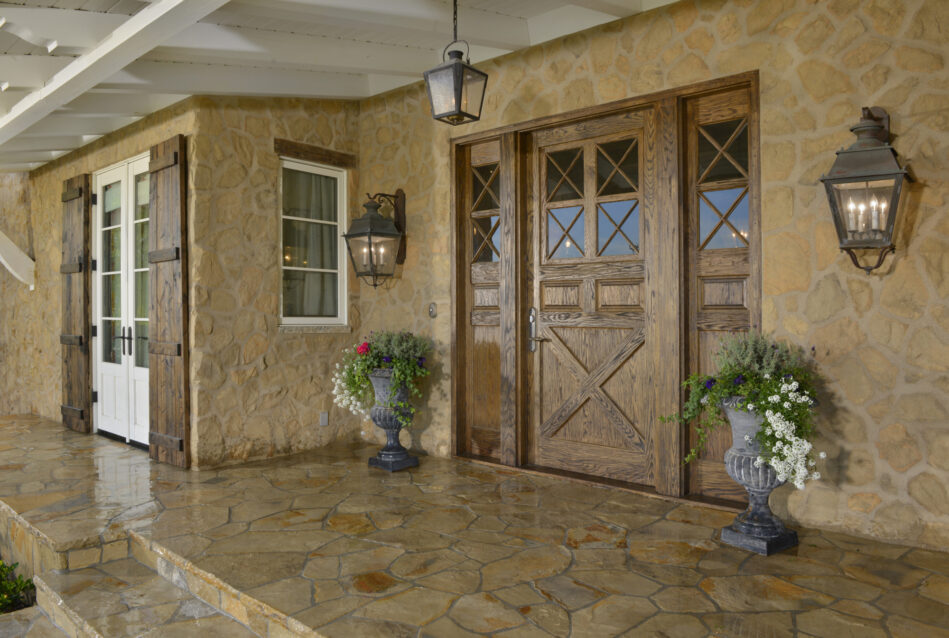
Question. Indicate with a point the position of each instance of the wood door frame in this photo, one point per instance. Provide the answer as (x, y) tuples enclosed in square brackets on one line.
[(514, 138)]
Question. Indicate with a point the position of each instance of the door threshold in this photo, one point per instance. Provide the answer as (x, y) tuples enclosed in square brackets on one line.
[(635, 488), (122, 439)]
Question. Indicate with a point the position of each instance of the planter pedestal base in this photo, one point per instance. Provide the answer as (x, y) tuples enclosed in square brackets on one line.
[(758, 544), (393, 464)]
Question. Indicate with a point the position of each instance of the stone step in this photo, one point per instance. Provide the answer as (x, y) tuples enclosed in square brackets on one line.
[(126, 598), (261, 618), (28, 623)]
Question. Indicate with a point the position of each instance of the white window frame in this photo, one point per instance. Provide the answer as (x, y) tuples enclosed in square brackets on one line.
[(341, 176)]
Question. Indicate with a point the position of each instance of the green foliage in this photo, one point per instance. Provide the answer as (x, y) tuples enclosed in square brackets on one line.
[(757, 374), (16, 592), (401, 352)]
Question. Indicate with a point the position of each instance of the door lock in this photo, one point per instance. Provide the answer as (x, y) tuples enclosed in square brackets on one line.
[(532, 338)]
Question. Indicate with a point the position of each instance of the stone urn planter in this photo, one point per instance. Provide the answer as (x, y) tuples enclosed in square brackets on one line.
[(393, 456), (757, 528)]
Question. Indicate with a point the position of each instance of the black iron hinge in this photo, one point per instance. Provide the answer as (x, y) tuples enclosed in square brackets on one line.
[(95, 199), (95, 265), (95, 331), (95, 396)]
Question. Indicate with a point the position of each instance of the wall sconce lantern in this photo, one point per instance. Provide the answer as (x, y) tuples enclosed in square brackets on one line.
[(864, 187), (455, 88), (377, 244)]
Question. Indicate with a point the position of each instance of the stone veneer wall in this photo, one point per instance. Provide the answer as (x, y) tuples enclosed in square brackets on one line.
[(882, 340), (257, 389), (21, 320)]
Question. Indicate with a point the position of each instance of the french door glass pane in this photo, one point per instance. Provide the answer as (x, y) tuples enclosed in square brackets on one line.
[(309, 294), (112, 295), (141, 244), (141, 196), (618, 228), (112, 250), (483, 190), (309, 195), (111, 341), (565, 232), (483, 246), (309, 245), (565, 175), (112, 205), (141, 344), (141, 295)]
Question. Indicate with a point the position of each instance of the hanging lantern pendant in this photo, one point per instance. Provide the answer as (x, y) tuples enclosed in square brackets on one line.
[(455, 88)]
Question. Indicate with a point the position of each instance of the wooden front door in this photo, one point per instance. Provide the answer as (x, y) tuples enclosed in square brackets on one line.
[(594, 266)]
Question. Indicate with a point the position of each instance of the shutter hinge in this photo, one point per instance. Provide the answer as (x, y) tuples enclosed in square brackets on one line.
[(95, 396), (95, 199), (94, 331), (95, 265)]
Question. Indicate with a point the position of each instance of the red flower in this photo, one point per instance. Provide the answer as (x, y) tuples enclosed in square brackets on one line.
[(363, 348)]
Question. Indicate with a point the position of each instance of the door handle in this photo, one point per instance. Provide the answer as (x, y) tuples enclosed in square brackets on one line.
[(532, 338)]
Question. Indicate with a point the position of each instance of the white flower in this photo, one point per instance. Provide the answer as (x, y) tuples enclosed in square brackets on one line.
[(750, 406), (767, 376), (823, 455)]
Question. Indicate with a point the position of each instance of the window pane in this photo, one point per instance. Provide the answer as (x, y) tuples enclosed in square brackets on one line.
[(723, 167), (565, 232), (483, 247), (309, 294), (141, 295), (112, 205), (617, 167), (308, 245), (565, 175), (111, 342), (141, 196), (141, 244), (141, 344), (112, 295), (309, 195), (483, 189), (733, 234), (618, 228), (112, 250)]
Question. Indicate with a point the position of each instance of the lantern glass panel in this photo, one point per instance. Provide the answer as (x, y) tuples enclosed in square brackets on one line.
[(441, 86), (359, 252), (472, 92), (864, 208), (384, 252)]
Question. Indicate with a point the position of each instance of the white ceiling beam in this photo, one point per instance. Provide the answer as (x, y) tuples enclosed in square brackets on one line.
[(615, 8), (147, 76), (214, 43), (73, 29), (423, 17), (30, 71), (61, 125), (142, 32), (565, 20), (118, 103), (16, 261)]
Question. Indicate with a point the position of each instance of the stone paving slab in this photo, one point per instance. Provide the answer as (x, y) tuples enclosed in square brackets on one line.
[(322, 545)]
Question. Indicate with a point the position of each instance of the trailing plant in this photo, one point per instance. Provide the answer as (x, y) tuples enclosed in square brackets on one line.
[(772, 379), (401, 352), (16, 592)]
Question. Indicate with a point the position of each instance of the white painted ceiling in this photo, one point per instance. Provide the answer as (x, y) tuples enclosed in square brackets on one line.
[(74, 70)]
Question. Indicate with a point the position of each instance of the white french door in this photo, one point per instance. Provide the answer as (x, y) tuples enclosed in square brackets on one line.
[(120, 300)]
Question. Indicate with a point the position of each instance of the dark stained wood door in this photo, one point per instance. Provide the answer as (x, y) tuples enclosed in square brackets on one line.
[(595, 273)]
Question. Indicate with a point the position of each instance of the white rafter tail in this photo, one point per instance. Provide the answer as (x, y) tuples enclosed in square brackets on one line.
[(16, 261), (142, 32)]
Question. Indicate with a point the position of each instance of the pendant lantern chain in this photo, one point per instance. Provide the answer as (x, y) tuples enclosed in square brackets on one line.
[(454, 21)]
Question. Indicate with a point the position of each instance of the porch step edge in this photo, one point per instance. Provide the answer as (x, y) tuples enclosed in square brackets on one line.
[(60, 613), (256, 615)]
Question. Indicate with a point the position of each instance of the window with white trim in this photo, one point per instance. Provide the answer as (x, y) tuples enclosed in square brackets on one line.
[(313, 251)]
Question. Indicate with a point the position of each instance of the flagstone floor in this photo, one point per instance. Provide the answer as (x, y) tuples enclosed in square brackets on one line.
[(452, 548)]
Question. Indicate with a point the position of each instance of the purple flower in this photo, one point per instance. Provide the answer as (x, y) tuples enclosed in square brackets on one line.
[(387, 359), (739, 379), (709, 383), (420, 361)]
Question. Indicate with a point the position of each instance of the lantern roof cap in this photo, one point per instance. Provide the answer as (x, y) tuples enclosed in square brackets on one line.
[(373, 223)]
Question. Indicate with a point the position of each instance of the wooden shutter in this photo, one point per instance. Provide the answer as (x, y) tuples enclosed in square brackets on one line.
[(75, 269), (168, 311)]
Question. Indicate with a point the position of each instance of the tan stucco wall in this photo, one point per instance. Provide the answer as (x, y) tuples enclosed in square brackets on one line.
[(882, 340)]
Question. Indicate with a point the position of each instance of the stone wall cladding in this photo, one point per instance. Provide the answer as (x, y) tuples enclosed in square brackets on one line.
[(21, 319), (257, 391), (882, 340)]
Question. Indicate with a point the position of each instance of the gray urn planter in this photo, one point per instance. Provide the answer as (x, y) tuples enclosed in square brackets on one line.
[(393, 456), (757, 528)]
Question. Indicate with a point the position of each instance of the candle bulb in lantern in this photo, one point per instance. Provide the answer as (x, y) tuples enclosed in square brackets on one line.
[(365, 257), (852, 215), (882, 214), (861, 216), (874, 214)]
